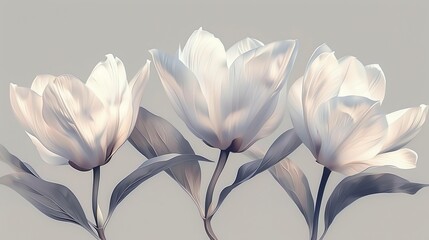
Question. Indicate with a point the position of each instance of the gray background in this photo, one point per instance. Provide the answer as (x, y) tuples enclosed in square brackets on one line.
[(56, 37)]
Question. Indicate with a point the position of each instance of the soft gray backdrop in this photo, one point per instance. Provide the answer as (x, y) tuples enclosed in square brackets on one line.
[(57, 37)]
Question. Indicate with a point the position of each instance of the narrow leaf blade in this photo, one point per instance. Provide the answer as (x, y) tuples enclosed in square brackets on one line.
[(355, 187), (284, 145), (154, 136), (15, 163), (295, 183), (147, 170), (54, 200)]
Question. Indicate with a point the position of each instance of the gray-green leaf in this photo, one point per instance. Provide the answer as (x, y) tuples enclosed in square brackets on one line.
[(284, 145), (52, 199), (354, 187), (154, 136), (15, 162), (147, 170), (295, 183)]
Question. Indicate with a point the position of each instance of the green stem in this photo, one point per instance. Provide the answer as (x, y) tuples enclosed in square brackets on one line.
[(95, 186), (322, 185), (223, 156)]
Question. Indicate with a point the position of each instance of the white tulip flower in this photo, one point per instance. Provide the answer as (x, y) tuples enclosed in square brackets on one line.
[(335, 110), (229, 99), (76, 123)]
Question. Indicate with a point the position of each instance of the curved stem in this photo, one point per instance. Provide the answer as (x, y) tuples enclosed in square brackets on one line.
[(209, 229), (223, 156), (216, 174), (322, 185), (98, 218)]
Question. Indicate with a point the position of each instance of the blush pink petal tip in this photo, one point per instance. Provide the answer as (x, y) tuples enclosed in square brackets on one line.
[(227, 98), (76, 123)]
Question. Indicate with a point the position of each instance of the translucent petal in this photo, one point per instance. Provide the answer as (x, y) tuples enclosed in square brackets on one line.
[(205, 57), (241, 47), (367, 81), (27, 106), (40, 82), (185, 95), (108, 81), (404, 125), (256, 78), (351, 128), (321, 82), (403, 158), (47, 155), (296, 113), (75, 111)]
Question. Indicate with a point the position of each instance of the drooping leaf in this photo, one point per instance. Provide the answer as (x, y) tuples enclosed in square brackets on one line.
[(147, 170), (355, 187), (52, 199), (15, 162), (295, 183), (280, 149), (154, 136)]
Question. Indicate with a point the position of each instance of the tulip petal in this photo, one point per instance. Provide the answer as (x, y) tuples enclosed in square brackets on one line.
[(298, 96), (75, 111), (404, 125), (27, 106), (296, 114), (377, 82), (263, 124), (403, 158), (40, 82), (241, 47), (185, 95), (359, 80), (269, 125), (256, 77), (47, 155), (108, 81), (355, 79), (319, 50), (351, 128), (137, 85), (205, 56), (267, 67), (321, 82), (129, 116)]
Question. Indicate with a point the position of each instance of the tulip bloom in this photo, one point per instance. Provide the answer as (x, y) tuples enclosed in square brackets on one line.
[(227, 98), (76, 123), (335, 110)]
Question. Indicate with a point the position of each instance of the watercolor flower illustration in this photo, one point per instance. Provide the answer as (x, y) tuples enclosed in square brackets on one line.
[(83, 125), (80, 124), (336, 111), (229, 98)]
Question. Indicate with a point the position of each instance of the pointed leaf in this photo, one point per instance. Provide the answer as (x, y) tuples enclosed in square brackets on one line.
[(52, 199), (284, 145), (15, 162), (295, 183), (154, 136), (147, 170), (357, 186)]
